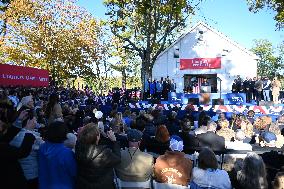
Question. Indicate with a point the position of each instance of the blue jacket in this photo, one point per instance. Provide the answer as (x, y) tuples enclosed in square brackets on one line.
[(57, 166)]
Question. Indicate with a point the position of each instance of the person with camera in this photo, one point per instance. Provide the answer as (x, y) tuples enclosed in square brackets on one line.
[(95, 162), (29, 164)]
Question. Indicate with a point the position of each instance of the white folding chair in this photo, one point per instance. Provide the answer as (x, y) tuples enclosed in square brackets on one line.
[(158, 185), (123, 184)]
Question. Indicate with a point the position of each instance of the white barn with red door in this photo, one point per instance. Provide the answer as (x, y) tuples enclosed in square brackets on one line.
[(205, 52)]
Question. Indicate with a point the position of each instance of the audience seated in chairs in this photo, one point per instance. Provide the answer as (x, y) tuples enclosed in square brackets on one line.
[(190, 141), (173, 167), (207, 175), (135, 166), (278, 182), (160, 144), (238, 143), (253, 173), (210, 139)]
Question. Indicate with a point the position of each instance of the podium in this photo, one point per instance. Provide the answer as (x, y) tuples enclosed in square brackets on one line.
[(205, 89)]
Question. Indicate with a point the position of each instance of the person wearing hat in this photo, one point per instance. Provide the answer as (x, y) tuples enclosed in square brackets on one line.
[(173, 167), (135, 166)]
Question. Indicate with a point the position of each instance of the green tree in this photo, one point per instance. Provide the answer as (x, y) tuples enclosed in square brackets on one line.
[(271, 59), (146, 26), (276, 5), (127, 64)]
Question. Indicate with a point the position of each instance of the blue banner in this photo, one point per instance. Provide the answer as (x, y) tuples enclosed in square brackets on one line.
[(229, 98)]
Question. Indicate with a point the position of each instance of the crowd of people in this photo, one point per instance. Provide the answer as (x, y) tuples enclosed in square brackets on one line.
[(258, 88), (159, 89), (57, 138)]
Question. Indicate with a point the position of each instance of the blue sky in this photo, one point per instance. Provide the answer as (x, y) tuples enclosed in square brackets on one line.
[(233, 19)]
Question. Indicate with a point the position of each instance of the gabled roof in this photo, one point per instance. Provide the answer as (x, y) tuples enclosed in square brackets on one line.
[(214, 31)]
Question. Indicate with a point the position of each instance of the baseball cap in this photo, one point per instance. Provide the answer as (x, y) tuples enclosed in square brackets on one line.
[(133, 135)]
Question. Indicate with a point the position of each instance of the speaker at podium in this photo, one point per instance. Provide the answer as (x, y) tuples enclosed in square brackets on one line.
[(205, 89)]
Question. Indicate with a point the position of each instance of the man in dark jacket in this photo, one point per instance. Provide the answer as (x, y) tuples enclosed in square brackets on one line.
[(210, 139), (246, 87), (239, 84), (11, 173), (95, 162), (190, 141)]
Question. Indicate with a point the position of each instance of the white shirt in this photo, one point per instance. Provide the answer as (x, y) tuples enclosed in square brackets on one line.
[(238, 145)]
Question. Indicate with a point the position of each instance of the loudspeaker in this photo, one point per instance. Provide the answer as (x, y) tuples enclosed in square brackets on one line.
[(217, 101), (193, 101), (266, 103)]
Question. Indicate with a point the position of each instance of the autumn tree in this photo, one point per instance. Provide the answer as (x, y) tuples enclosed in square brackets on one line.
[(275, 5), (271, 59), (53, 34), (146, 26)]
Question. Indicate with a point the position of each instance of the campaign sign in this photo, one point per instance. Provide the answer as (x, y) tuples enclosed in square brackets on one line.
[(229, 98), (23, 76)]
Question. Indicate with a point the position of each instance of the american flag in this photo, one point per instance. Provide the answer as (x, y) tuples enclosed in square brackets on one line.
[(196, 89)]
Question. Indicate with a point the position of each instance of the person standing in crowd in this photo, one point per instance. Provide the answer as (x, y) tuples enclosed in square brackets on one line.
[(30, 163), (205, 82), (95, 162), (159, 89), (266, 89), (57, 165), (207, 174), (234, 86), (173, 86), (246, 88), (253, 173), (152, 88), (239, 84), (165, 85), (275, 90), (147, 89), (53, 109), (252, 88), (258, 89), (11, 172), (173, 167), (135, 166)]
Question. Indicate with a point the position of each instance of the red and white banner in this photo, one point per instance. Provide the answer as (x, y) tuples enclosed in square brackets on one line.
[(200, 63), (23, 76)]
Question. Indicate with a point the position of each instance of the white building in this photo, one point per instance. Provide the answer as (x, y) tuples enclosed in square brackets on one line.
[(202, 41)]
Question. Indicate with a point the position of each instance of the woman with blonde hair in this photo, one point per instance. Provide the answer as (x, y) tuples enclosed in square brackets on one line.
[(275, 84)]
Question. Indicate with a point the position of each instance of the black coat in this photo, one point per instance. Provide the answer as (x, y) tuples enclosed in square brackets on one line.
[(95, 165), (11, 173), (190, 142), (212, 140)]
